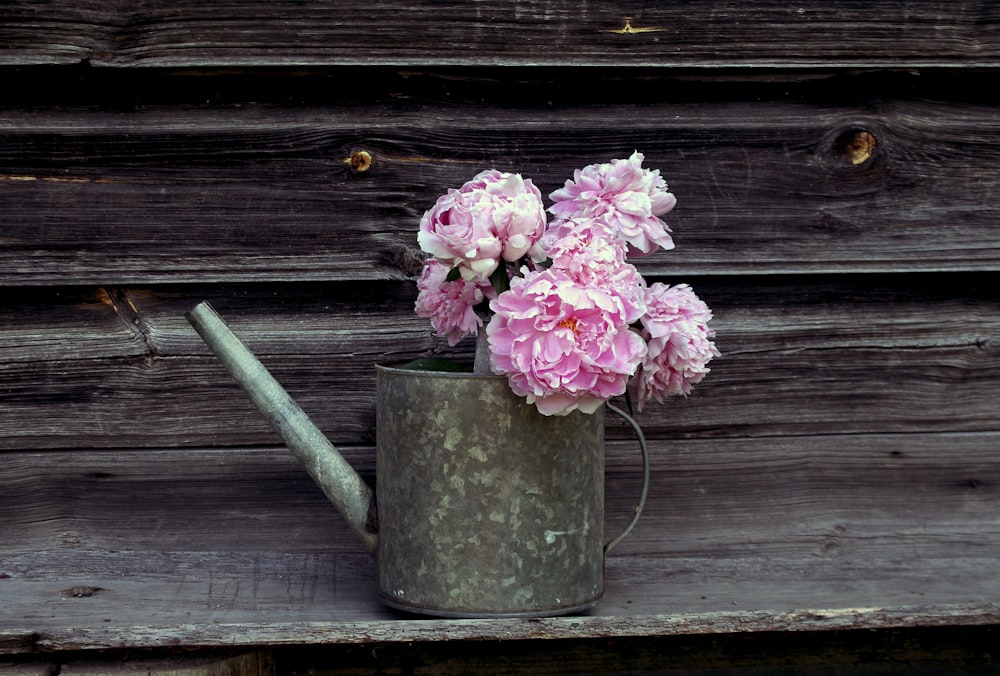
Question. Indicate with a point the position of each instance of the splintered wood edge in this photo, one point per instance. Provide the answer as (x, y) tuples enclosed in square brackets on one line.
[(410, 630)]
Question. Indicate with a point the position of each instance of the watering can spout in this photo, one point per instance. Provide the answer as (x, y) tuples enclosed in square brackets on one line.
[(350, 494)]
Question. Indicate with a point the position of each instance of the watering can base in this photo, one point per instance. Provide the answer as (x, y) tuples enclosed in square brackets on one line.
[(486, 615)]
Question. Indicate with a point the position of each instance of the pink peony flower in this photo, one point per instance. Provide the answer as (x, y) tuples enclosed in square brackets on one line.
[(449, 305), (679, 344), (591, 254), (576, 322), (629, 198), (494, 216), (562, 345)]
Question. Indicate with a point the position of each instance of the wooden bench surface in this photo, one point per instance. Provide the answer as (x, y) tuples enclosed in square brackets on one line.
[(237, 547)]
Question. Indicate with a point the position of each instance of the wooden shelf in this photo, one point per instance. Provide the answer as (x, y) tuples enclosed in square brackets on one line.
[(223, 548)]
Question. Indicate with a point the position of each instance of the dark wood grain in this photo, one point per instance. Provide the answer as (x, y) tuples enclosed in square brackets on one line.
[(507, 32), (115, 366), (255, 194)]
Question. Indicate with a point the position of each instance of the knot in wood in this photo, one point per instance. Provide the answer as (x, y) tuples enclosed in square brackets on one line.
[(856, 145), (80, 592), (360, 161)]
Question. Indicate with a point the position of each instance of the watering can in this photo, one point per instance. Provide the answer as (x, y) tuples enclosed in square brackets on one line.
[(485, 507)]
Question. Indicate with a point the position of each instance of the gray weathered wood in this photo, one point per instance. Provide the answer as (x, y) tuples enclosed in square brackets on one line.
[(735, 497), (248, 664), (112, 366), (219, 547), (28, 669), (505, 32), (249, 193)]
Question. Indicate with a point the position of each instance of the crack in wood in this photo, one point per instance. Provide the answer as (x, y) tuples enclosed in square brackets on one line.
[(128, 312), (629, 29)]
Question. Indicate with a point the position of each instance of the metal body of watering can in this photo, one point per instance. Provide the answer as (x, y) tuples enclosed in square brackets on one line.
[(485, 507)]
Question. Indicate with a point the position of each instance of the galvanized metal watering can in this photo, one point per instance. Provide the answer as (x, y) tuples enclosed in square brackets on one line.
[(485, 507)]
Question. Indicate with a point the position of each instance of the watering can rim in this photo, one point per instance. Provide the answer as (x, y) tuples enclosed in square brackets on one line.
[(400, 369)]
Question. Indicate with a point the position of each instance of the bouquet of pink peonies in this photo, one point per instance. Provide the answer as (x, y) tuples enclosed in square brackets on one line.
[(569, 320)]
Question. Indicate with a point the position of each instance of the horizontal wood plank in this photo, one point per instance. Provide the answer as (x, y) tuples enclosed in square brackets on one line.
[(215, 547), (113, 367), (841, 497), (254, 193), (251, 664), (953, 650), (507, 32)]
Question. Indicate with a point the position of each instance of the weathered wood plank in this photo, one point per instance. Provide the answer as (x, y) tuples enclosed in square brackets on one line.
[(956, 650), (252, 193), (28, 669), (103, 368), (248, 664), (834, 499), (198, 626), (321, 632), (952, 650), (508, 32), (217, 547)]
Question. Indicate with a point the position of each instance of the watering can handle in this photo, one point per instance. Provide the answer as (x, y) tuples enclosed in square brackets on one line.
[(645, 476)]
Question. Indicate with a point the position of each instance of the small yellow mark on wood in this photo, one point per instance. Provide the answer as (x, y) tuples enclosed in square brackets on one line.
[(629, 29), (104, 297), (859, 147), (110, 297), (66, 179), (360, 161), (22, 178)]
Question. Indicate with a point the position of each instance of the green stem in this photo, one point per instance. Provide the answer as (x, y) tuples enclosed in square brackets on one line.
[(482, 363)]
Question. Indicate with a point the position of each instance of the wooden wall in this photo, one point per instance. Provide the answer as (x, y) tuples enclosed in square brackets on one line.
[(836, 170)]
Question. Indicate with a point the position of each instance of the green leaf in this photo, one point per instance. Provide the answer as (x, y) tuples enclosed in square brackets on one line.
[(499, 279), (453, 274)]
